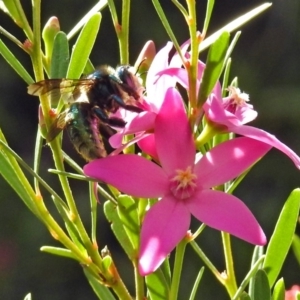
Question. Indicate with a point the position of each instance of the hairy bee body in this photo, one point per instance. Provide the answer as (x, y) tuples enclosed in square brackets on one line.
[(83, 130), (91, 100)]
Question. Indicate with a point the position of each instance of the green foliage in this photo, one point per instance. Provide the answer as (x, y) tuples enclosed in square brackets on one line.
[(282, 237)]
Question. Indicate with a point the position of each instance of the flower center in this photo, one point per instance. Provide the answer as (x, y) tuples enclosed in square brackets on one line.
[(235, 99), (183, 184)]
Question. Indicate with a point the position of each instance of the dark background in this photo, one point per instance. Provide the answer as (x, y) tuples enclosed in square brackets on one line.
[(266, 61)]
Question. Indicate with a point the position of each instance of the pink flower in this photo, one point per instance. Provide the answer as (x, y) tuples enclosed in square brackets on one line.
[(183, 185), (233, 112), (156, 88), (292, 293)]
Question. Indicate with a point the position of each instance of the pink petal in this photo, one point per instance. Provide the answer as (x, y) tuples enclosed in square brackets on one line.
[(215, 112), (156, 88), (165, 224), (228, 160), (227, 213), (265, 137), (179, 74), (142, 122), (173, 136), (176, 60), (147, 145), (131, 174)]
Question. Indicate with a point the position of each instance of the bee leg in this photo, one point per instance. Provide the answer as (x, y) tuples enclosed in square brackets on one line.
[(112, 121), (121, 103)]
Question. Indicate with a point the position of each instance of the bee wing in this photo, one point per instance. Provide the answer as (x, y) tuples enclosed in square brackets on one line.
[(70, 90), (57, 126)]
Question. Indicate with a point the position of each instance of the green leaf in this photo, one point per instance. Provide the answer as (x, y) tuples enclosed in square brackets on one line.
[(60, 56), (261, 286), (157, 284), (279, 290), (71, 228), (83, 46), (15, 64), (281, 239), (209, 9), (28, 297), (245, 296), (196, 284), (100, 290), (296, 247), (230, 27), (12, 10), (94, 206), (249, 276), (214, 65), (128, 213), (112, 216), (9, 174), (58, 251)]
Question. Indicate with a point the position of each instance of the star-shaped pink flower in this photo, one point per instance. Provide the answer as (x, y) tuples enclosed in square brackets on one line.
[(233, 112), (182, 184)]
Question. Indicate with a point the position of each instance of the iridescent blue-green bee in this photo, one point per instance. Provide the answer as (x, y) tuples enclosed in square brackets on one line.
[(91, 99)]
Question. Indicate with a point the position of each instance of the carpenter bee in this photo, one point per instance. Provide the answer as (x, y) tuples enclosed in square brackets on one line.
[(91, 99)]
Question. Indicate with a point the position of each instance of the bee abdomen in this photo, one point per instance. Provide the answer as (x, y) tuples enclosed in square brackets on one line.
[(83, 130)]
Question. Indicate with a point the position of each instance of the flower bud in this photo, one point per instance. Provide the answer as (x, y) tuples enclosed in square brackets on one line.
[(49, 32)]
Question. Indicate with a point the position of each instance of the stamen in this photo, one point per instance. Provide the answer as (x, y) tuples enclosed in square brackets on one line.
[(183, 184), (237, 96)]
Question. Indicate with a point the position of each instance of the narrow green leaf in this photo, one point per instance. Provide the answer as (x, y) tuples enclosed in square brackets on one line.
[(196, 284), (71, 228), (112, 216), (60, 56), (128, 213), (214, 65), (100, 5), (83, 46), (279, 290), (281, 239), (89, 68), (94, 206), (250, 275), (261, 286), (100, 290), (166, 24), (257, 255), (245, 296), (9, 174), (296, 247), (157, 285), (209, 9), (238, 22), (28, 297), (58, 251), (15, 64)]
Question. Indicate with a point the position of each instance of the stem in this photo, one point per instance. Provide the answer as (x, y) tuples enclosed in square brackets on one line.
[(139, 282), (230, 280), (206, 261), (37, 158), (180, 249), (60, 235), (55, 144), (167, 26), (193, 65), (12, 38), (25, 24), (123, 36)]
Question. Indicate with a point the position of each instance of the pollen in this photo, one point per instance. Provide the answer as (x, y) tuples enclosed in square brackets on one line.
[(237, 96), (183, 184)]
